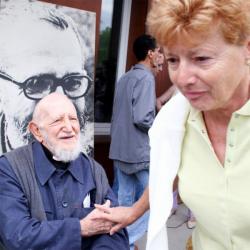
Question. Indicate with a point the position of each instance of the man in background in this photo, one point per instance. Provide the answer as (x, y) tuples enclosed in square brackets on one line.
[(41, 52), (133, 115)]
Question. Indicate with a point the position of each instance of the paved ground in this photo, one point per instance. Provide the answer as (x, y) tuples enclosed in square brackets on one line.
[(178, 233)]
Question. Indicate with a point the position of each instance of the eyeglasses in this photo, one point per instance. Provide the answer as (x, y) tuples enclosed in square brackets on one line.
[(74, 85)]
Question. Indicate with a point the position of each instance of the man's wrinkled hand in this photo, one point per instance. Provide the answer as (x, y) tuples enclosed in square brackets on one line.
[(93, 224)]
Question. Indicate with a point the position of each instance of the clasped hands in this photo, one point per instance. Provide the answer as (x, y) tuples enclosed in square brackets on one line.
[(105, 219)]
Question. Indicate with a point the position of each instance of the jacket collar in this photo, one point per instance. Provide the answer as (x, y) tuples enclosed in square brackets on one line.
[(143, 67), (45, 169)]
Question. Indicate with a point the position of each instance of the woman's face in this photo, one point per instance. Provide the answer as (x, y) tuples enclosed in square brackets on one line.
[(211, 74)]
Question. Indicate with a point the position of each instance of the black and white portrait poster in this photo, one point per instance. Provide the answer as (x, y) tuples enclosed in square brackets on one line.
[(44, 48)]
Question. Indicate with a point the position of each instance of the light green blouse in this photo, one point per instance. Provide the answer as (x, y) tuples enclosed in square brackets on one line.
[(219, 196)]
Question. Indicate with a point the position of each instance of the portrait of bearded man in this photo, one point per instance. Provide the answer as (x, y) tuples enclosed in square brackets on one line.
[(42, 51)]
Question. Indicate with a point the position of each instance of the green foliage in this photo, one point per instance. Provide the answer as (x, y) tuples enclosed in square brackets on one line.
[(104, 45)]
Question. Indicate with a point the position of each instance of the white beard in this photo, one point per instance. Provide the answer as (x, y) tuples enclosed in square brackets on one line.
[(67, 155), (64, 155)]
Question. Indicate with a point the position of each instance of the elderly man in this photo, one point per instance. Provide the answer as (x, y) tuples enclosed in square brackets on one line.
[(48, 188), (41, 52)]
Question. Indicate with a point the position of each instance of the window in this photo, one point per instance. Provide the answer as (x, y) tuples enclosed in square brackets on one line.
[(106, 68)]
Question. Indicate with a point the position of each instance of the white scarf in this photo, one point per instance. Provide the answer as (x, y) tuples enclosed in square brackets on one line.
[(166, 137)]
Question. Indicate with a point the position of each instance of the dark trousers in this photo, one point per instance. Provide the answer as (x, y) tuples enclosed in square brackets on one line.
[(118, 241)]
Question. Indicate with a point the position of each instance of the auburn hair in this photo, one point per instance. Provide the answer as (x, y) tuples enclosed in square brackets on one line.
[(169, 20)]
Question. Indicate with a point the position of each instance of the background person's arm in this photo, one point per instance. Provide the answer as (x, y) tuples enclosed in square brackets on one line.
[(143, 104), (161, 100)]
